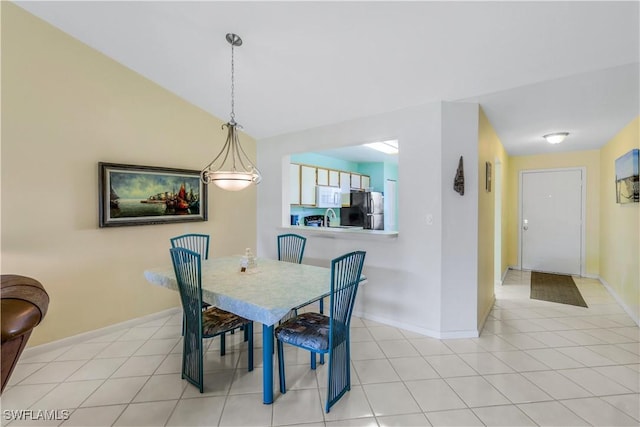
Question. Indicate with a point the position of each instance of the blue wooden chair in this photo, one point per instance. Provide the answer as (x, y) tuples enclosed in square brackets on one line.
[(198, 243), (291, 247), (200, 324), (322, 334)]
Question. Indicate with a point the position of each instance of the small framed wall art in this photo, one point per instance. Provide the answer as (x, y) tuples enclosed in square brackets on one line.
[(487, 184), (627, 176), (142, 195)]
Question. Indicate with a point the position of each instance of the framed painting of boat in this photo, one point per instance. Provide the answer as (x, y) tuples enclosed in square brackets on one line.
[(142, 195)]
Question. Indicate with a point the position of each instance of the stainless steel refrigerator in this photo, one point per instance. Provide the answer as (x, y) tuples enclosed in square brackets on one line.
[(366, 210)]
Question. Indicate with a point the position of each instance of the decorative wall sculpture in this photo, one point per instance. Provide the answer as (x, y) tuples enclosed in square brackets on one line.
[(458, 181)]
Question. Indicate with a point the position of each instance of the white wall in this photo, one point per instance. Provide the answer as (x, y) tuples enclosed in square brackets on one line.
[(459, 218), (405, 274)]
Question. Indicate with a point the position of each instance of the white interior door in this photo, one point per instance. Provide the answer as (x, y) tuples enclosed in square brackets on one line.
[(551, 222)]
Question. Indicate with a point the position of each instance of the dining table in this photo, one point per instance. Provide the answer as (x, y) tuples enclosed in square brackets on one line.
[(265, 293)]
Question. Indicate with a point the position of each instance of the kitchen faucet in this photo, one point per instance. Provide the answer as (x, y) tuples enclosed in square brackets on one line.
[(327, 216)]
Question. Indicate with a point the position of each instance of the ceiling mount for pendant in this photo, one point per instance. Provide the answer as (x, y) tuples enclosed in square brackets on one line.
[(234, 39), (235, 171)]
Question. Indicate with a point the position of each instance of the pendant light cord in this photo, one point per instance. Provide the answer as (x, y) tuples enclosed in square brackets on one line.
[(233, 86)]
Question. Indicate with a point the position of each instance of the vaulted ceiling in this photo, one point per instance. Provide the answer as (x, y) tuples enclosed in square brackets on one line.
[(535, 67)]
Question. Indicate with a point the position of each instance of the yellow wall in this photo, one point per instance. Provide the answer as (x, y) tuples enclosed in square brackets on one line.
[(490, 149), (65, 107), (620, 224), (589, 159)]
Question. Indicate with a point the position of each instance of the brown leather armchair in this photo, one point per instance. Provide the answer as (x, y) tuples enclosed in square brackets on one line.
[(24, 305)]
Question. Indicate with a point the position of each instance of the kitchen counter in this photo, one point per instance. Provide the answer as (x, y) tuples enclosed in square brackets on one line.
[(345, 232)]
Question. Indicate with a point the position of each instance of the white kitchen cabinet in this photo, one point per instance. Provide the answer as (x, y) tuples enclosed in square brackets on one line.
[(294, 184), (303, 180), (323, 176), (355, 181), (345, 187), (334, 178), (307, 185), (365, 182)]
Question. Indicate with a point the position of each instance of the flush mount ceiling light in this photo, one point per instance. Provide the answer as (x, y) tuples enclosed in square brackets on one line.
[(231, 169), (387, 147), (556, 138)]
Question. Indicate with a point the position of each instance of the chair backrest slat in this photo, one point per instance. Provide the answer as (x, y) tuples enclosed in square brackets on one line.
[(291, 247), (198, 243)]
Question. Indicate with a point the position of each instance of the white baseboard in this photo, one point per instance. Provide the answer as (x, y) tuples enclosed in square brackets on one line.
[(634, 316), (458, 334), (77, 339), (418, 330), (504, 275), (485, 316)]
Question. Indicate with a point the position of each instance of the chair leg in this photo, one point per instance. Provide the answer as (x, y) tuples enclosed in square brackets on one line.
[(248, 330), (322, 312), (201, 373), (222, 344), (283, 387), (313, 360)]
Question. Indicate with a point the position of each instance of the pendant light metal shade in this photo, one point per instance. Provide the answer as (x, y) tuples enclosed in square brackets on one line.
[(231, 169)]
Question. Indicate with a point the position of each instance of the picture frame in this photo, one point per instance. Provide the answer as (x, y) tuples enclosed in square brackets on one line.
[(144, 195), (627, 177), (487, 184)]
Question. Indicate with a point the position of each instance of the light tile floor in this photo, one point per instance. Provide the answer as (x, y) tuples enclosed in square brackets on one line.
[(535, 363)]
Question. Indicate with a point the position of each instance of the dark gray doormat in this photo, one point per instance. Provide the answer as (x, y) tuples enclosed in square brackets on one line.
[(555, 288)]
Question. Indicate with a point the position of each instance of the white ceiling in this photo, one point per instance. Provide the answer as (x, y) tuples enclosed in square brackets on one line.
[(535, 67)]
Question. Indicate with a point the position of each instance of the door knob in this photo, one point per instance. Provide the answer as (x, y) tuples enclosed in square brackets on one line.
[(525, 224)]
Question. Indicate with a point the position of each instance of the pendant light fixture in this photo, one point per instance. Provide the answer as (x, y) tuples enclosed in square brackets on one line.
[(231, 169)]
